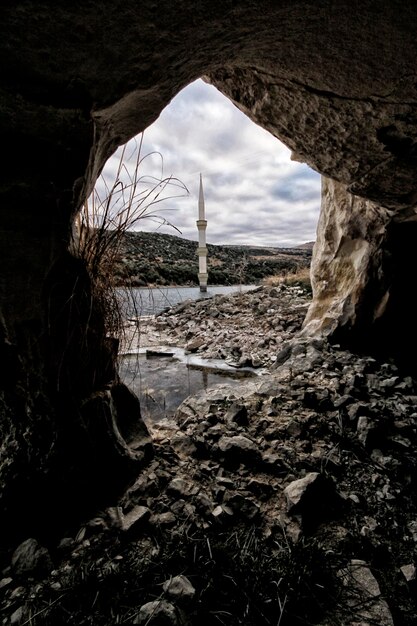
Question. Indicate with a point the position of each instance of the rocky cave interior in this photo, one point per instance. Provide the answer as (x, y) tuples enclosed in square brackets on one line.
[(77, 82)]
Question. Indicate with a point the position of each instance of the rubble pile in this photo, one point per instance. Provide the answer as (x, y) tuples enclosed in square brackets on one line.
[(245, 329), (289, 500)]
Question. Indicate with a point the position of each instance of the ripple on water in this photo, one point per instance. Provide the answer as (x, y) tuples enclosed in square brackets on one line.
[(162, 383)]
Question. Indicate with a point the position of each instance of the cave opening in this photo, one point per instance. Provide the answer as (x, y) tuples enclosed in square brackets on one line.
[(395, 334), (257, 197)]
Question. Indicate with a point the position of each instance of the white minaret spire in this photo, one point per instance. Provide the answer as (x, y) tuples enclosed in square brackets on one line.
[(202, 248), (201, 206)]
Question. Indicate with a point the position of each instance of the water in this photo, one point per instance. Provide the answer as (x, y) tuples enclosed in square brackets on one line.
[(162, 383), (141, 301)]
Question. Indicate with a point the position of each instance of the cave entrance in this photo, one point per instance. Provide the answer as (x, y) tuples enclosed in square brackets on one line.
[(395, 333), (256, 197), (255, 194)]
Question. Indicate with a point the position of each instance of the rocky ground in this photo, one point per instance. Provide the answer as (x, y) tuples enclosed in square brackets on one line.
[(286, 501), (245, 329)]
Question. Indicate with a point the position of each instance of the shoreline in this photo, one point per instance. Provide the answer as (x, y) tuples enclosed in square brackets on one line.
[(246, 328)]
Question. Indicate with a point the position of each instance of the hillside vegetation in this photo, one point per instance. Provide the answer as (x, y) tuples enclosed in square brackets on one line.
[(160, 259)]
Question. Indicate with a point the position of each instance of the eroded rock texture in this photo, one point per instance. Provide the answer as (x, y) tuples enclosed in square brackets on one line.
[(362, 265), (335, 81), (350, 264)]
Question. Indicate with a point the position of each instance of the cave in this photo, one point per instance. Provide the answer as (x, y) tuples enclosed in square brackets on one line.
[(333, 81), (396, 323)]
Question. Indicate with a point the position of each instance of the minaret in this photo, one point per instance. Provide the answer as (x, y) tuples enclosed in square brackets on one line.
[(202, 249)]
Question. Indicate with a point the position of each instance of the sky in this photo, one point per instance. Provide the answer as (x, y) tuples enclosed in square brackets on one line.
[(254, 194)]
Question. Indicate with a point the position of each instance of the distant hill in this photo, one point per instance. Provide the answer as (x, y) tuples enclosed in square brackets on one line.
[(160, 259), (307, 246)]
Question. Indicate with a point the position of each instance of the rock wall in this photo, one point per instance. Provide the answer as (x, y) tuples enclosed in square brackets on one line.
[(361, 272), (334, 81), (349, 271)]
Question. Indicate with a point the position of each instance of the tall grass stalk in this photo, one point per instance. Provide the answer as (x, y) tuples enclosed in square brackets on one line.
[(115, 207)]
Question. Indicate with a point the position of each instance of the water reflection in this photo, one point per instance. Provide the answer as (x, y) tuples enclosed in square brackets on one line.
[(162, 383)]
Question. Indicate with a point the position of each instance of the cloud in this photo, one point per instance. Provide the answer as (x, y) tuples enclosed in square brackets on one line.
[(254, 193)]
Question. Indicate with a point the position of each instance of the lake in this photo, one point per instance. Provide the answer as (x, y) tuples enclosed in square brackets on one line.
[(140, 301)]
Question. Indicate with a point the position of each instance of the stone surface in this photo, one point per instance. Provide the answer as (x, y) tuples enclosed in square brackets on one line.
[(5, 582), (297, 490), (364, 595), (194, 344), (30, 558), (238, 448), (17, 617), (222, 513), (347, 267), (359, 272), (179, 589), (237, 414), (136, 518), (180, 487), (409, 572), (157, 613)]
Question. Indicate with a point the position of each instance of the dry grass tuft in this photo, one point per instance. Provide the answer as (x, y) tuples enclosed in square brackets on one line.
[(301, 278), (239, 577), (112, 209)]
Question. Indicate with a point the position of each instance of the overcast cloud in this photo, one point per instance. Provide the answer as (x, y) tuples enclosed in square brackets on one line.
[(254, 193)]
